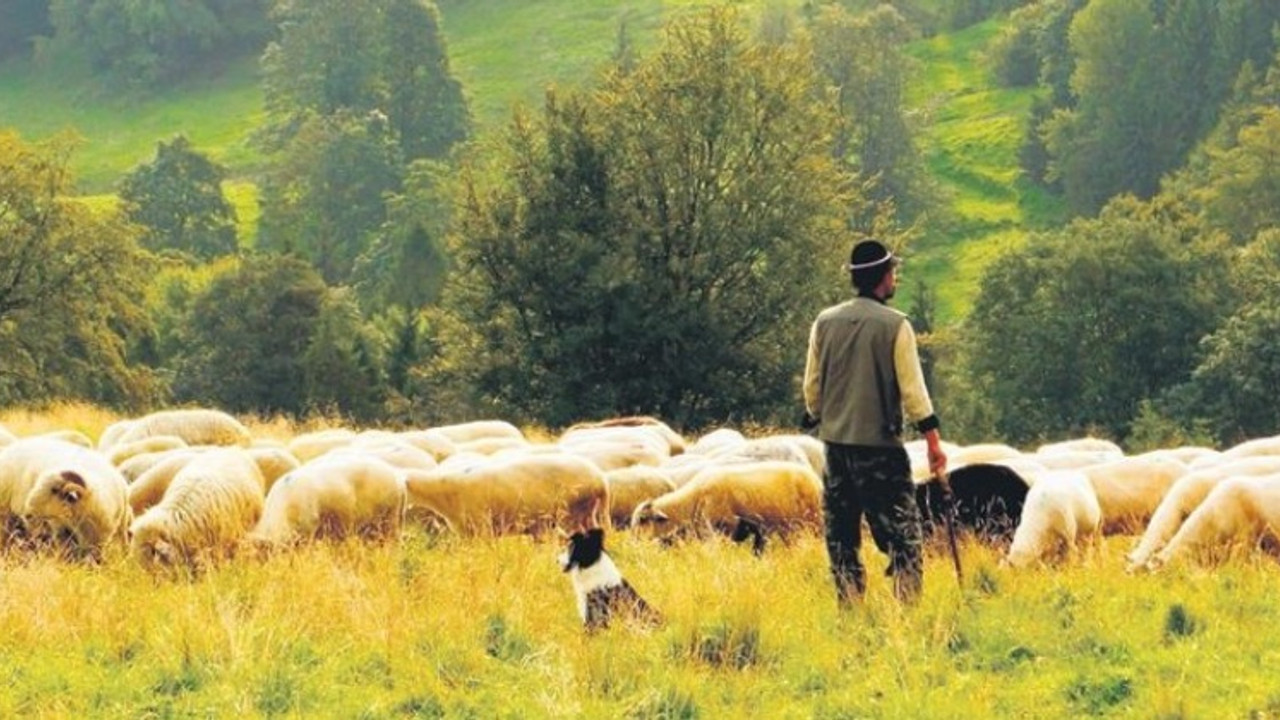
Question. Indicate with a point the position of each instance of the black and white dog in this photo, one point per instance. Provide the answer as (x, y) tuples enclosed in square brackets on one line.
[(602, 591)]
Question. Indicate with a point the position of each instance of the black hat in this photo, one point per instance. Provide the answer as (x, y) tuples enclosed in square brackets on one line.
[(869, 254)]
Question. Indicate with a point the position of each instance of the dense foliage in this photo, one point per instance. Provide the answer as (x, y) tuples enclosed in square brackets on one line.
[(655, 246)]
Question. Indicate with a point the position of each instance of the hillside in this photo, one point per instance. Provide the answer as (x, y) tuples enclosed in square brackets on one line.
[(506, 53)]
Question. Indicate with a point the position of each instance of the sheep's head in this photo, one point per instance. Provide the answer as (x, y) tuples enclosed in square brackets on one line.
[(54, 511), (152, 546), (649, 521)]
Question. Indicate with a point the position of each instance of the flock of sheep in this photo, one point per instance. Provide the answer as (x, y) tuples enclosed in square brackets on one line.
[(185, 488)]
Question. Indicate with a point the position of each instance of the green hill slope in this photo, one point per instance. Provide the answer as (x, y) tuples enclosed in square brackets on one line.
[(506, 52), (970, 142)]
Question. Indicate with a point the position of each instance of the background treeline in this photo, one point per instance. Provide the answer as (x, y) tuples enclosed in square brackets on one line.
[(656, 238)]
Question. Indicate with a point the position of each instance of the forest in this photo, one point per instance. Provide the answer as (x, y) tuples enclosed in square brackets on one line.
[(650, 228)]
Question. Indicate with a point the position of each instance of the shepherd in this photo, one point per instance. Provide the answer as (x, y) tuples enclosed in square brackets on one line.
[(862, 374)]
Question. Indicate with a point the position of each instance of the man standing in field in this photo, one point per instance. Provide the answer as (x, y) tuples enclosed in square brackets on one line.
[(862, 372)]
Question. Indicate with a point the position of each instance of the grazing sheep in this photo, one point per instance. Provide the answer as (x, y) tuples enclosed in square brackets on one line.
[(777, 447), (739, 500), (1253, 448), (74, 437), (311, 445), (196, 426), (62, 492), (531, 493), (120, 452), (273, 462), (628, 487), (432, 441), (672, 440), (213, 501), (715, 440), (1075, 459), (1187, 493), (337, 496), (963, 455), (616, 453), (478, 430), (988, 501), (1237, 509), (1061, 513), (1130, 490), (1084, 444)]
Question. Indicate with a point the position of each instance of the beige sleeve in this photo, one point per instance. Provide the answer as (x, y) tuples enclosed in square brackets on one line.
[(812, 368), (906, 360)]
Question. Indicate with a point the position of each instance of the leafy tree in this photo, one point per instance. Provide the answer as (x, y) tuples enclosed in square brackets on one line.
[(357, 57), (1242, 192), (862, 58), (1073, 332), (342, 362), (144, 44), (657, 245), (1233, 387), (178, 198), (69, 275), (406, 262), (425, 101), (325, 196), (246, 336)]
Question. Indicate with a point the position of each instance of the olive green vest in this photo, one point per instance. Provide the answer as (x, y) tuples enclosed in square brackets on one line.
[(859, 400)]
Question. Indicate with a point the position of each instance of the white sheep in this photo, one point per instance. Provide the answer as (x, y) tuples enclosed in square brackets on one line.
[(1083, 444), (432, 441), (212, 502), (715, 440), (196, 426), (1237, 509), (6, 436), (673, 442), (121, 452), (1061, 514), (311, 445), (336, 496), (478, 430), (519, 494), (741, 500), (58, 491), (1130, 490), (1187, 493), (628, 487)]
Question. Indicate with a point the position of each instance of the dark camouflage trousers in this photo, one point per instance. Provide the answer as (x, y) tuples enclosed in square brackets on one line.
[(872, 483)]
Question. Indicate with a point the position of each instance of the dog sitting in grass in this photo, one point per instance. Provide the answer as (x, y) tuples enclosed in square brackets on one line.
[(603, 594)]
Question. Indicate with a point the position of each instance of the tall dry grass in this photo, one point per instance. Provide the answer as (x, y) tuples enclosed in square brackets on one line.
[(446, 627)]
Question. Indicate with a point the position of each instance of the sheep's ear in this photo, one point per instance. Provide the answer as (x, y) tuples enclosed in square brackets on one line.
[(72, 487), (659, 516)]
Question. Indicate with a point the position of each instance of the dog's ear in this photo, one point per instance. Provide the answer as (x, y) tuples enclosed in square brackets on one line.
[(593, 517)]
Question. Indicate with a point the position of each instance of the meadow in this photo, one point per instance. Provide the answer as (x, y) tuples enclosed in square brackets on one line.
[(441, 626)]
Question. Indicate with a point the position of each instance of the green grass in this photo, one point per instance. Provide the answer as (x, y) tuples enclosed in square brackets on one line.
[(216, 114), (972, 132)]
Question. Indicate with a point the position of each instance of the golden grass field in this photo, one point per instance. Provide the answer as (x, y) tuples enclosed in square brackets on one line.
[(445, 627)]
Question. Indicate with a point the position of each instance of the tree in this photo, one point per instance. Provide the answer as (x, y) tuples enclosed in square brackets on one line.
[(341, 365), (325, 196), (656, 245), (246, 335), (862, 58), (1072, 332), (145, 44), (69, 305), (362, 56), (1242, 190), (406, 261), (178, 198)]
